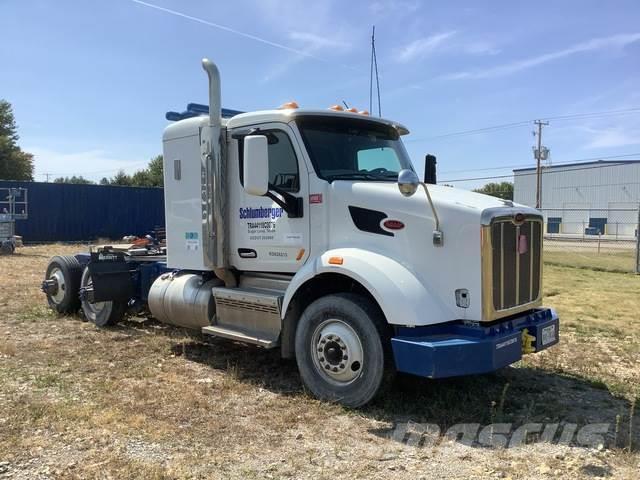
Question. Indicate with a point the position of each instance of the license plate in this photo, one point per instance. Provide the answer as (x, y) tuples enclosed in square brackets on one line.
[(548, 334)]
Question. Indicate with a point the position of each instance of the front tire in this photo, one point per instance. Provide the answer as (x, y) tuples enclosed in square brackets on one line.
[(102, 314), (340, 349)]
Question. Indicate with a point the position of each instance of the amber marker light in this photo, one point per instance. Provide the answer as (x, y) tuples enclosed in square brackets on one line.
[(336, 260), (288, 106)]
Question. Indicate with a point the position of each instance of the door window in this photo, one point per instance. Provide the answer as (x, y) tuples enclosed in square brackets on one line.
[(283, 164)]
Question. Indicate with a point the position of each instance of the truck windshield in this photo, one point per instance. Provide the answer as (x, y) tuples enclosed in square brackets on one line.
[(353, 149)]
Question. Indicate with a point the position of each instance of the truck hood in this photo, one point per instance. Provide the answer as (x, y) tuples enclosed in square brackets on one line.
[(442, 269)]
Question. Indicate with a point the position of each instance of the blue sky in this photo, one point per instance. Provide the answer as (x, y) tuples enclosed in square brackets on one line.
[(90, 81)]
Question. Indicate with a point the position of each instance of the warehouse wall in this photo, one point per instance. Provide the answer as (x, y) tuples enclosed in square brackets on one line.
[(67, 212), (589, 185), (574, 197)]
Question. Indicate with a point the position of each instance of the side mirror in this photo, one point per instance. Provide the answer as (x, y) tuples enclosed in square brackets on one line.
[(256, 165), (408, 182), (430, 169)]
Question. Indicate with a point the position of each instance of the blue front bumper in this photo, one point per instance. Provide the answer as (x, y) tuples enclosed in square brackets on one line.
[(455, 348)]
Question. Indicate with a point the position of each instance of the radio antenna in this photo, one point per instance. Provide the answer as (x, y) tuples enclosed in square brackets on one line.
[(374, 68)]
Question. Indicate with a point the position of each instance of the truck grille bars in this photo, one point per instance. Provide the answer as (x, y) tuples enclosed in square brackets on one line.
[(516, 263), (512, 259)]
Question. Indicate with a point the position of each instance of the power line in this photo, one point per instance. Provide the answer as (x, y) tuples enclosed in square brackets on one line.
[(505, 126), (548, 172)]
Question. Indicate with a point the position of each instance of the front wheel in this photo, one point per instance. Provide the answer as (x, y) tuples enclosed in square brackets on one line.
[(101, 313), (340, 349)]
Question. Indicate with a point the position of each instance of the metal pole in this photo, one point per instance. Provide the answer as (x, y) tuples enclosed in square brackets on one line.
[(638, 242), (538, 155)]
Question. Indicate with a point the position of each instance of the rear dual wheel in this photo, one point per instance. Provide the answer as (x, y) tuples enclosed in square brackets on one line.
[(63, 277), (102, 314)]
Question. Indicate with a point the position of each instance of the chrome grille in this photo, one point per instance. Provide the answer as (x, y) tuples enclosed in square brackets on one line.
[(516, 261)]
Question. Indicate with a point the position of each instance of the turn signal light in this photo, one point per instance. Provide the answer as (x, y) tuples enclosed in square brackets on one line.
[(337, 108), (288, 105), (336, 260)]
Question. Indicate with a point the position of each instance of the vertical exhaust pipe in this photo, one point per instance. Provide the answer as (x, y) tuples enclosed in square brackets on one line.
[(215, 171), (215, 108)]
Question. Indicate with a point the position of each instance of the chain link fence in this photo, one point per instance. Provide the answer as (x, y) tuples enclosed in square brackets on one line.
[(600, 239)]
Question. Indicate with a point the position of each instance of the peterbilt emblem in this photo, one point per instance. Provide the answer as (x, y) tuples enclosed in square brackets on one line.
[(522, 244)]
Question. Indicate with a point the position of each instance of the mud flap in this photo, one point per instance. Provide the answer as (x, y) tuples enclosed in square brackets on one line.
[(111, 277)]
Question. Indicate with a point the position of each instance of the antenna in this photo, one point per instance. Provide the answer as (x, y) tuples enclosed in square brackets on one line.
[(374, 67)]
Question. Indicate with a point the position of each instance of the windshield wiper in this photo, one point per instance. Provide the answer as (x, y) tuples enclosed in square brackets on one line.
[(358, 176)]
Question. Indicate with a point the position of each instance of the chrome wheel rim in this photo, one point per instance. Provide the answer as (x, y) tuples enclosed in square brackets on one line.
[(57, 275), (92, 310), (337, 351)]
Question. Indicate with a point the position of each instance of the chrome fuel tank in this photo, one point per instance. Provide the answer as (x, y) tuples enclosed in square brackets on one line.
[(183, 299)]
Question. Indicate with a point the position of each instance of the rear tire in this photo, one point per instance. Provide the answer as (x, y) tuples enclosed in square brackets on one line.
[(340, 349), (66, 270), (102, 314)]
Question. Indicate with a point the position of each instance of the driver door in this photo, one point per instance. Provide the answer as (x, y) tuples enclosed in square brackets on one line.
[(263, 237)]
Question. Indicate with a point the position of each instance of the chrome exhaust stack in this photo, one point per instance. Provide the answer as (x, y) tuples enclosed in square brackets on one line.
[(215, 107), (214, 163)]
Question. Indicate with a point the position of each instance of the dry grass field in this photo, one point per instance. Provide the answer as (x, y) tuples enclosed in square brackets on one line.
[(142, 400)]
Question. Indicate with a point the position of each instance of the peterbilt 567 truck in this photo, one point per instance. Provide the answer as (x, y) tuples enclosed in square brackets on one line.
[(310, 232)]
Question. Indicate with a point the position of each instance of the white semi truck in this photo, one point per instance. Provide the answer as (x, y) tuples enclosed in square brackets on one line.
[(309, 231)]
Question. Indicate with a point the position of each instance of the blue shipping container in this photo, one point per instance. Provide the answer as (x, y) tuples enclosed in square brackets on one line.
[(60, 212)]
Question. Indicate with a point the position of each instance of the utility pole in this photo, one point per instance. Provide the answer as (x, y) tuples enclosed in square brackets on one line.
[(540, 153), (638, 243)]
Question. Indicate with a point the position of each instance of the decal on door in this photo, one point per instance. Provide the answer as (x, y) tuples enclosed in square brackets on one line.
[(262, 222), (293, 238)]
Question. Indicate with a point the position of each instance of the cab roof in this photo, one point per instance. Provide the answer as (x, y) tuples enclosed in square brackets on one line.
[(190, 126), (286, 115)]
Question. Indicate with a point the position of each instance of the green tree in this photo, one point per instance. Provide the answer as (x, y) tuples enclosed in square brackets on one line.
[(121, 178), (152, 176), (502, 190), (147, 177), (80, 180), (14, 163)]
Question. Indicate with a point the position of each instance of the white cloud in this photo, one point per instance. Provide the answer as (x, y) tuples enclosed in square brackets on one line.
[(316, 42), (614, 41), (613, 137), (91, 164), (312, 44), (392, 7), (423, 46), (481, 48)]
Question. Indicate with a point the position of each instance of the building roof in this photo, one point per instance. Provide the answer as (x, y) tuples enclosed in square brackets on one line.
[(579, 164)]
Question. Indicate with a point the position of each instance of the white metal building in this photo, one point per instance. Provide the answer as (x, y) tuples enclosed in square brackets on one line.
[(603, 195)]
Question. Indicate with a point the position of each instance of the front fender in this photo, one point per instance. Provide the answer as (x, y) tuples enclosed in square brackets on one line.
[(403, 298)]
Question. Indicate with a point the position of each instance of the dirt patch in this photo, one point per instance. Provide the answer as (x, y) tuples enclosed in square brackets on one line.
[(143, 400)]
